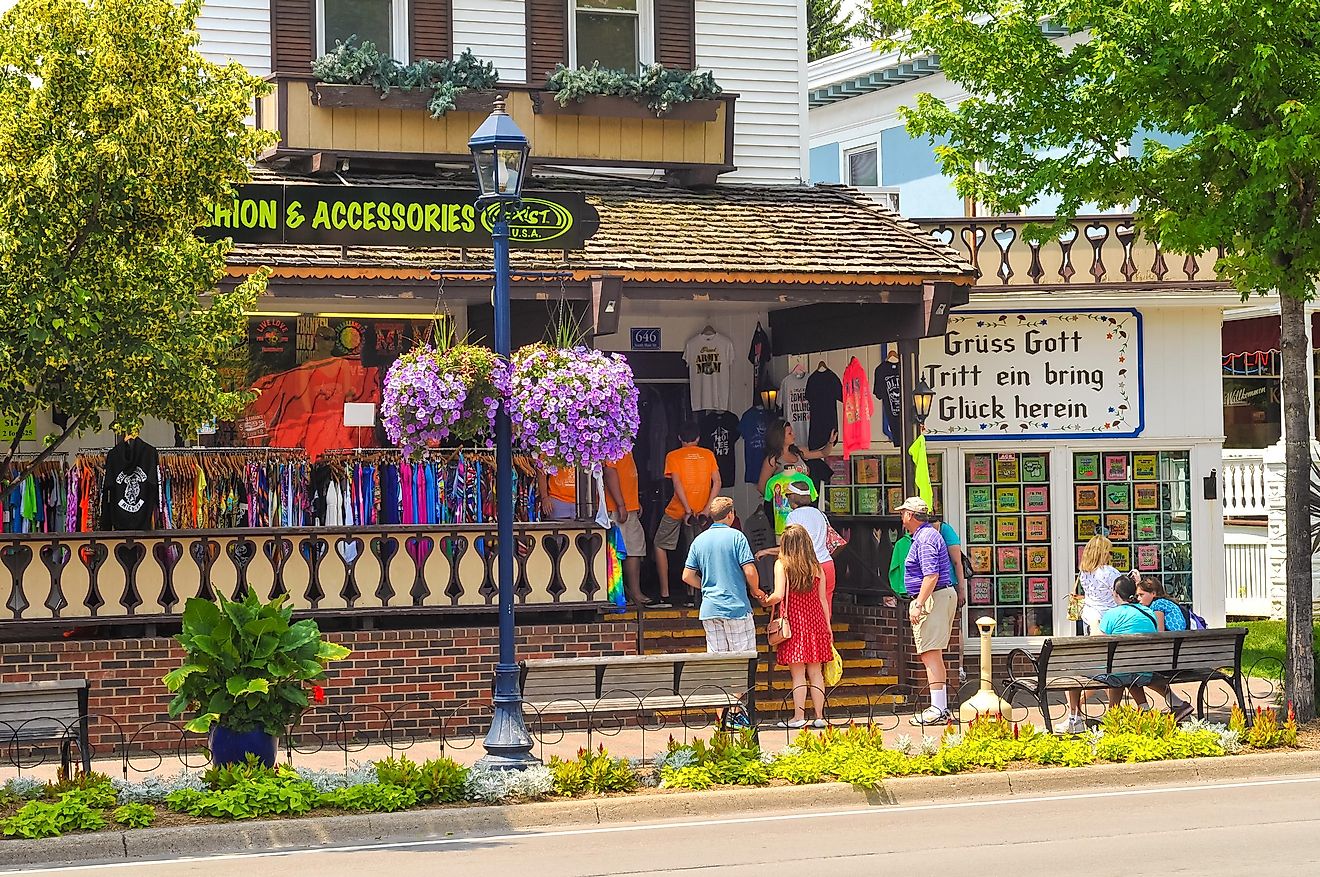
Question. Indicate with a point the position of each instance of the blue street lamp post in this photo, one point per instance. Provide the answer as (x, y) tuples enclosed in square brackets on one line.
[(499, 154)]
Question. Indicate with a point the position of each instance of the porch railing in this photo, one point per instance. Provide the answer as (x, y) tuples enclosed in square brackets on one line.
[(1246, 572), (1243, 479), (375, 570)]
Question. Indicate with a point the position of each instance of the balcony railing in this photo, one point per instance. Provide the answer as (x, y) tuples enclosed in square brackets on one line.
[(80, 577), (1093, 251), (324, 124)]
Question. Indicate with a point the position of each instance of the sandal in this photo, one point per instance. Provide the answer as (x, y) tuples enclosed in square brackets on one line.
[(792, 725)]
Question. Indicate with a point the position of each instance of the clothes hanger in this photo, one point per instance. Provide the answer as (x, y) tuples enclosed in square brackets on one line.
[(708, 330), (821, 366)]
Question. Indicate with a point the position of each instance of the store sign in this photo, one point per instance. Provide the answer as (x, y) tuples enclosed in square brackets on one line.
[(1025, 374), (394, 216), (646, 339), (9, 429)]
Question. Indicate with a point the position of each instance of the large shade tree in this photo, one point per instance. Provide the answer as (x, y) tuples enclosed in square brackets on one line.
[(115, 138), (1236, 85), (829, 29)]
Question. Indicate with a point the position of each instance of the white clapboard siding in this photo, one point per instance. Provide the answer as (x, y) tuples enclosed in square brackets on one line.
[(757, 49), (236, 30), (495, 31)]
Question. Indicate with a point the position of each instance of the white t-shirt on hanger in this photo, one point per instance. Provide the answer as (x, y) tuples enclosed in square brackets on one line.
[(793, 399), (710, 361)]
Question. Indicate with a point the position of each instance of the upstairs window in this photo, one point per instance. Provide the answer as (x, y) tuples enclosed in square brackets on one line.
[(382, 22), (614, 33), (864, 167)]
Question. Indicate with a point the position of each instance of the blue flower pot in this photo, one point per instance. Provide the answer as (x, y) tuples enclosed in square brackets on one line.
[(232, 747)]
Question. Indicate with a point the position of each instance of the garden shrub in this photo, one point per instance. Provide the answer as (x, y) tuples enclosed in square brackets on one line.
[(38, 819), (135, 815), (592, 772), (437, 780), (281, 792), (732, 758)]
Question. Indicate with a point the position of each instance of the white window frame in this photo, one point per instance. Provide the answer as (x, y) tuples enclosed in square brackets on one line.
[(645, 31), (872, 146), (398, 29)]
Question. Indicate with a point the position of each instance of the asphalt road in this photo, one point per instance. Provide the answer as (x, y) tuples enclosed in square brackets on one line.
[(1230, 829)]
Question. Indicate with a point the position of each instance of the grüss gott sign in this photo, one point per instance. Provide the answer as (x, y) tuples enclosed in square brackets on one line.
[(390, 216), (1035, 373)]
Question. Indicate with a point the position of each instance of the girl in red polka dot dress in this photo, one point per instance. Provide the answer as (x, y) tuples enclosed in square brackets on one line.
[(800, 586)]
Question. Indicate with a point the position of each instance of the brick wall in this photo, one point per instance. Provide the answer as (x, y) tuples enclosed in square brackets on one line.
[(888, 635), (405, 682)]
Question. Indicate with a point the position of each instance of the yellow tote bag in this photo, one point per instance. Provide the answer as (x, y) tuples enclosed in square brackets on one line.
[(833, 671)]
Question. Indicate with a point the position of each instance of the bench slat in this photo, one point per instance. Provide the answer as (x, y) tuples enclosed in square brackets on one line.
[(627, 704)]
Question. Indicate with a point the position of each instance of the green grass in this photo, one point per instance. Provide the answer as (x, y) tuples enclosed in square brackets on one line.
[(1265, 639)]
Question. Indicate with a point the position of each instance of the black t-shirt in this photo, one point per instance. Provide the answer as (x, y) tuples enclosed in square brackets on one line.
[(758, 354), (887, 387), (131, 490), (824, 392), (719, 433)]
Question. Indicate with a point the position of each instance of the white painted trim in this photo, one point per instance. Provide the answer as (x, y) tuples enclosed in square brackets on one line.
[(645, 31), (398, 30)]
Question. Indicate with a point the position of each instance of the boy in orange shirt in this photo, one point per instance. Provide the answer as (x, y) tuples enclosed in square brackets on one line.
[(625, 507), (696, 477)]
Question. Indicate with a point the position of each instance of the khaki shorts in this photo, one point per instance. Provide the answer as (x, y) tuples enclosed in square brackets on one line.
[(634, 538), (667, 533), (933, 629)]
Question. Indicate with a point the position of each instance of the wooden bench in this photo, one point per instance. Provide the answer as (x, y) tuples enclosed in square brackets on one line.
[(37, 712), (639, 684), (1087, 663)]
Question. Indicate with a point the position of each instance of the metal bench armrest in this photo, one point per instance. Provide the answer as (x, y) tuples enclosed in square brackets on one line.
[(1032, 659)]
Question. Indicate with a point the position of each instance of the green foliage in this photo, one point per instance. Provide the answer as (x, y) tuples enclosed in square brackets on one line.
[(437, 780), (135, 815), (279, 792), (1136, 747), (732, 758), (658, 87), (37, 819), (77, 783), (1265, 731), (1125, 719), (354, 63), (220, 777), (593, 773), (372, 797), (116, 138), (246, 664), (829, 30)]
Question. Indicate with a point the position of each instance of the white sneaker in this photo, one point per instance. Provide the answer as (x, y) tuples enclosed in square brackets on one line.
[(1076, 724), (931, 715)]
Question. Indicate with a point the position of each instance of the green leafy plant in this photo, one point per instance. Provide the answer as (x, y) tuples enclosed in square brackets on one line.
[(1265, 731), (78, 782), (281, 792), (373, 797), (656, 86), (595, 773), (251, 768), (437, 780), (1125, 719), (732, 758), (354, 63), (246, 664), (135, 815), (37, 819)]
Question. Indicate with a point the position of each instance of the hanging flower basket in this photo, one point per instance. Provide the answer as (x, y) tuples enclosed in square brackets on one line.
[(572, 406), (440, 396)]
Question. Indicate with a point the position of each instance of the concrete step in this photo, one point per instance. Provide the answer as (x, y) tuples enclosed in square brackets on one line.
[(783, 682)]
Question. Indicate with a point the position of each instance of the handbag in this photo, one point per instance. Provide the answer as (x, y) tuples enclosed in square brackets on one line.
[(833, 671), (833, 541), (1076, 600), (778, 631)]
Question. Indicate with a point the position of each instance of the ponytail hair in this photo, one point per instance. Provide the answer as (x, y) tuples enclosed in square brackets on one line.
[(1126, 588)]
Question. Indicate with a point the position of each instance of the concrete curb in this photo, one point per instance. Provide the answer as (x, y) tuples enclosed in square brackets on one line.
[(288, 834)]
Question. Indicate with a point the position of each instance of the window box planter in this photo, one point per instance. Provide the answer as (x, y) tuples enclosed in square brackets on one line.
[(365, 97), (611, 106)]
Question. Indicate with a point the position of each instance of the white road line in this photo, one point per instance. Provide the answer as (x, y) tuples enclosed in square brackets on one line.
[(662, 826)]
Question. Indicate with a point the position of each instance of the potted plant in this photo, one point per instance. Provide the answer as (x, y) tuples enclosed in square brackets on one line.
[(358, 75), (445, 394), (246, 673), (655, 92)]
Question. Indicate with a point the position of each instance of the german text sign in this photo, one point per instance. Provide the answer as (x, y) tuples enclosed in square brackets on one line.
[(1035, 373)]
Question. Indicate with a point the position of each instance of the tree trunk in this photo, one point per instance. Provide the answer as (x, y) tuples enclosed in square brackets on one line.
[(1299, 661)]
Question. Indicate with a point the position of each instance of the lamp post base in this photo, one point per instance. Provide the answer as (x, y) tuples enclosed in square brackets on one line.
[(508, 745)]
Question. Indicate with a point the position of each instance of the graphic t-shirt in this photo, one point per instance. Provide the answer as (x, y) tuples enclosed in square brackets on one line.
[(562, 485), (719, 434), (776, 493), (793, 399), (710, 360), (824, 392), (693, 468), (626, 468), (857, 409), (755, 421), (887, 386), (758, 354)]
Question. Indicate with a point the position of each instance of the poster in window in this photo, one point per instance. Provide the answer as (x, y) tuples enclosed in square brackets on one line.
[(868, 501), (1119, 527), (866, 470), (1037, 528), (978, 469), (896, 498), (980, 592), (1145, 467), (1036, 499), (982, 558), (1116, 467), (1121, 557), (980, 499), (1147, 527), (838, 468), (1148, 558), (1008, 558), (1010, 589), (1038, 589), (978, 530), (893, 468), (1087, 497), (1033, 467), (1145, 496), (1087, 527), (1008, 529), (1038, 558), (1086, 467), (1008, 499), (1006, 468), (838, 500), (1116, 497), (935, 465)]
